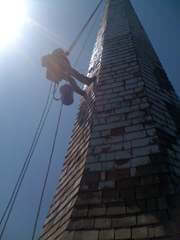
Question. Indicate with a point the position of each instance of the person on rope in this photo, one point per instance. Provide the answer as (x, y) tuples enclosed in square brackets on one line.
[(59, 68)]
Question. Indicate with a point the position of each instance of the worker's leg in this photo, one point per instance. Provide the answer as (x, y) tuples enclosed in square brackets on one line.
[(76, 88), (81, 77)]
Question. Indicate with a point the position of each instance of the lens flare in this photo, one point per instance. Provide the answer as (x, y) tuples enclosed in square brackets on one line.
[(13, 15)]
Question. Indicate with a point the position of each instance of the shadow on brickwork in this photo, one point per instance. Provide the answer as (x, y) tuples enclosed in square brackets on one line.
[(128, 203)]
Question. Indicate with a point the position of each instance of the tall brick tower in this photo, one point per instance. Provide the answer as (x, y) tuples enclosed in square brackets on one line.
[(121, 172)]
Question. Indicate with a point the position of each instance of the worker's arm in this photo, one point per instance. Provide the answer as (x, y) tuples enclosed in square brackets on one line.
[(76, 88)]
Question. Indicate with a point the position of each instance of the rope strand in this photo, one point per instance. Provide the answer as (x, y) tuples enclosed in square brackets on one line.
[(12, 200), (36, 137), (47, 172), (86, 40), (84, 28)]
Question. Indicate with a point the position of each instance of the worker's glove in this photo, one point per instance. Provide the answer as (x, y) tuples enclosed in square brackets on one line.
[(67, 53)]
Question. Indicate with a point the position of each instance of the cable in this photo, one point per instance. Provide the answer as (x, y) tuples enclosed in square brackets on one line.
[(27, 161), (47, 172), (85, 42), (35, 141), (35, 135), (54, 142), (84, 28), (54, 92), (23, 174)]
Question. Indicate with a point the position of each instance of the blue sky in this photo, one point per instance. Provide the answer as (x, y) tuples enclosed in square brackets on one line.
[(23, 91)]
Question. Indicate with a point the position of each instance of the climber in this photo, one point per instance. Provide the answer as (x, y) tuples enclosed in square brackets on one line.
[(59, 68)]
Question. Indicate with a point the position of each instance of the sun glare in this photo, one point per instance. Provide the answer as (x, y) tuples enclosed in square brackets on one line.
[(13, 15)]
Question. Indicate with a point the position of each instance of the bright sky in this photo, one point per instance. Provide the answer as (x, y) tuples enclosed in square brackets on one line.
[(23, 89), (11, 22)]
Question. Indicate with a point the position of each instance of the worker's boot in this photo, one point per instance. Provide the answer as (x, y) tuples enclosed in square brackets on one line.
[(87, 80), (82, 78), (92, 79)]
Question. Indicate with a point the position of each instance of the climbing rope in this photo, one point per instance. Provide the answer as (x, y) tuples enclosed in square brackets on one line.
[(8, 210), (25, 166), (85, 42), (84, 28), (55, 88), (55, 136), (47, 172)]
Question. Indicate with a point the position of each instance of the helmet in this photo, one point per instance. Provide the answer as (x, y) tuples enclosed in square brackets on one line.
[(58, 51)]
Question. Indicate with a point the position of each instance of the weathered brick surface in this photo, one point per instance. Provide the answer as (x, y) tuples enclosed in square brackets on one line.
[(120, 179)]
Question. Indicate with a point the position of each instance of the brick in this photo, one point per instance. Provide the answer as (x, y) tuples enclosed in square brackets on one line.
[(152, 204), (103, 176), (107, 166), (140, 161), (81, 224), (135, 114), (147, 219), (116, 210), (110, 195), (88, 235), (147, 192), (68, 235), (132, 171), (102, 223), (93, 167), (136, 135), (112, 125), (107, 156), (162, 203), (124, 233), (157, 231), (140, 233), (128, 183), (106, 235), (134, 128), (142, 142), (122, 155), (123, 164), (123, 222), (145, 150), (106, 184), (97, 212), (133, 209), (80, 212), (117, 131), (151, 132), (91, 177)]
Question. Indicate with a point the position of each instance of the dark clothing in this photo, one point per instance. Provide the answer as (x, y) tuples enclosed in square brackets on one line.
[(83, 79), (59, 68), (80, 77), (76, 88)]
